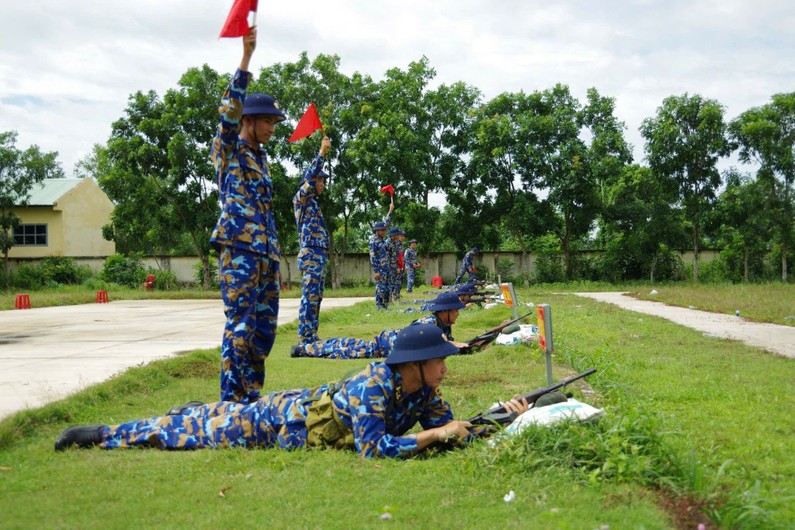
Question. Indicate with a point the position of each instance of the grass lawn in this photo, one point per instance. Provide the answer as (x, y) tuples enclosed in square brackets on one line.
[(695, 428)]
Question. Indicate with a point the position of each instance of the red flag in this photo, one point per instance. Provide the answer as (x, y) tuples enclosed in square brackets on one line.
[(388, 189), (309, 123), (236, 24)]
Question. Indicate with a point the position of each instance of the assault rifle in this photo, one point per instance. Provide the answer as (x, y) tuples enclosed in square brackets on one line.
[(499, 415), (486, 338)]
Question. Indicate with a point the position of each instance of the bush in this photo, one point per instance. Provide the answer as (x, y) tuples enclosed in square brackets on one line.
[(198, 275), (31, 277), (124, 270), (164, 280), (50, 272), (65, 270)]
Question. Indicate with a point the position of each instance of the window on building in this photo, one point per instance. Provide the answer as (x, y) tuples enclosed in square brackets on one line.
[(30, 236)]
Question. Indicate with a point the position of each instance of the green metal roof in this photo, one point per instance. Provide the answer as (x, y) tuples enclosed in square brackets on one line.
[(49, 191)]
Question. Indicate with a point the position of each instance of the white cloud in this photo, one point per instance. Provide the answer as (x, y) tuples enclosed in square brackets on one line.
[(67, 68)]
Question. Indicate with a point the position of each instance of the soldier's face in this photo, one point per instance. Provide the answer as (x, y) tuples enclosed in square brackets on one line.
[(434, 371), (320, 185)]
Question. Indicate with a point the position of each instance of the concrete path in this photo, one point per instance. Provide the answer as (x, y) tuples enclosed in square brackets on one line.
[(49, 353), (771, 337)]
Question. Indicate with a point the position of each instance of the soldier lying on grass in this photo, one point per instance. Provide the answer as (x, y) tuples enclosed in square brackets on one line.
[(370, 412)]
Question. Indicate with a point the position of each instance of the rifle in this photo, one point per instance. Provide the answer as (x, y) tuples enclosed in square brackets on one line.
[(489, 336), (499, 415)]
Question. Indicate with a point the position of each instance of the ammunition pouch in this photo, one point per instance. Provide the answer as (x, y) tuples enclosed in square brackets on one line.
[(324, 427)]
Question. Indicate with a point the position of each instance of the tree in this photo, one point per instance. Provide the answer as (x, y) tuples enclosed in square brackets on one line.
[(639, 224), (156, 168), (19, 171), (684, 142), (741, 215), (766, 135)]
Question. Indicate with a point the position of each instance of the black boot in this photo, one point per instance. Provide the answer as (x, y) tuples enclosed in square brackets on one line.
[(79, 436), (297, 351), (179, 410)]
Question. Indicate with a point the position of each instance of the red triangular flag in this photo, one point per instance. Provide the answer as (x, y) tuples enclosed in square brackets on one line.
[(236, 24), (388, 189), (309, 123)]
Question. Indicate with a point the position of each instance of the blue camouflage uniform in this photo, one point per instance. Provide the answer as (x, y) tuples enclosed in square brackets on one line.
[(397, 280), (370, 405), (409, 261), (467, 266), (313, 255), (246, 240), (379, 261), (380, 346)]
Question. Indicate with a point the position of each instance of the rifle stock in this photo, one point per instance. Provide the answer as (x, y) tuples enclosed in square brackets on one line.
[(499, 415), (490, 335)]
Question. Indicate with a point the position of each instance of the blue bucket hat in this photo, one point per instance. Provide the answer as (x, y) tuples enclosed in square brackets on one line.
[(465, 288), (395, 231), (476, 250), (445, 302), (420, 342), (412, 241), (379, 225), (262, 104)]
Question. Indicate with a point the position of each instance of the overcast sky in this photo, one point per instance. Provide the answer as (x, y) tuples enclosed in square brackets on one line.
[(67, 67)]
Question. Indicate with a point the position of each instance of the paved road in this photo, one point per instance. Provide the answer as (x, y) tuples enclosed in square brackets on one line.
[(49, 353), (771, 337)]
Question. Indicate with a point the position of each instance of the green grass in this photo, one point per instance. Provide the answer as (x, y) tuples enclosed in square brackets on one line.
[(693, 425), (773, 302)]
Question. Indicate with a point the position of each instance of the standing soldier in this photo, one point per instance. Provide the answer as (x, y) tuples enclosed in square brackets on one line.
[(410, 263), (245, 236), (379, 260), (396, 262), (314, 242), (468, 266)]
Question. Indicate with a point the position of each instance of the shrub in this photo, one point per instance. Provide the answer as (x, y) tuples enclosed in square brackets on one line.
[(124, 270), (64, 270), (31, 277), (198, 274)]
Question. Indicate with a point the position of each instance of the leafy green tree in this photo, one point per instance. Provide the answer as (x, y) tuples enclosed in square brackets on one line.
[(639, 223), (766, 135), (156, 168), (743, 223), (19, 171), (684, 142)]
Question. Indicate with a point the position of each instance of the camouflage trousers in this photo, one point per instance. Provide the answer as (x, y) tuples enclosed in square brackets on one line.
[(350, 348), (409, 278), (397, 284), (312, 264), (276, 420), (382, 292), (250, 289)]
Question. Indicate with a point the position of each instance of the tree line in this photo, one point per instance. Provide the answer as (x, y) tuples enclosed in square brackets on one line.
[(537, 172)]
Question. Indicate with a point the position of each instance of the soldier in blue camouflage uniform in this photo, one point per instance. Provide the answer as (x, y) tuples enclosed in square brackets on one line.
[(370, 412), (245, 236), (379, 260), (397, 236), (411, 264), (444, 307), (314, 242), (468, 266)]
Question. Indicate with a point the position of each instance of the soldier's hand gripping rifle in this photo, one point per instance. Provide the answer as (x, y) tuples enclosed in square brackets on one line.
[(487, 337), (499, 415)]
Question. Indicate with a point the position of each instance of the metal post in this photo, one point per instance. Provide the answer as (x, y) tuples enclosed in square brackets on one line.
[(544, 312)]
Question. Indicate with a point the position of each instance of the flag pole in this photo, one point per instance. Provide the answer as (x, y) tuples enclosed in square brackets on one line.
[(254, 20)]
